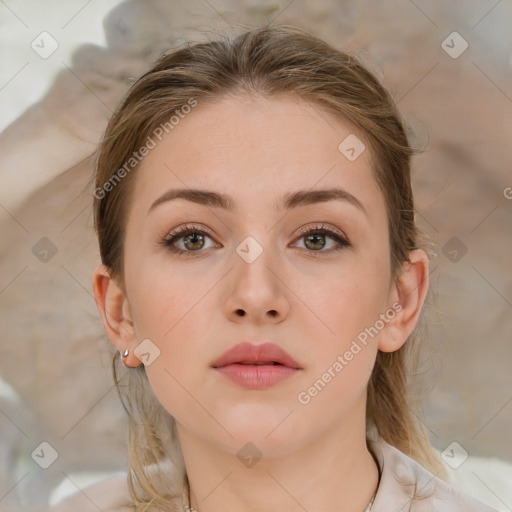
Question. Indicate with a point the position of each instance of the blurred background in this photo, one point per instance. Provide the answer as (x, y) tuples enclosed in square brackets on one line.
[(65, 65)]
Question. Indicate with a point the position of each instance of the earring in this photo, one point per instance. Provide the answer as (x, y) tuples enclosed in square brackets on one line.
[(123, 355)]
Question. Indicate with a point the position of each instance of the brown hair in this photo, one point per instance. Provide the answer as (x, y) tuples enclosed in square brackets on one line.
[(271, 61)]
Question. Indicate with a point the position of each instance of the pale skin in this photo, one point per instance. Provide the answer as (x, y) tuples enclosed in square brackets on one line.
[(311, 302)]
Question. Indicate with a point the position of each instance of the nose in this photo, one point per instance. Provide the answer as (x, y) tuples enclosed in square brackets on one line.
[(258, 291)]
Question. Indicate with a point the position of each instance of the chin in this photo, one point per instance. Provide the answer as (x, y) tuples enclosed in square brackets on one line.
[(270, 434)]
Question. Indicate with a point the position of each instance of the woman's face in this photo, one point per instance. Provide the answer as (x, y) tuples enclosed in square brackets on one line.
[(249, 273)]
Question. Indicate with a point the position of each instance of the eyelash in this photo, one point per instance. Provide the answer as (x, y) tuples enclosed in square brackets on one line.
[(186, 230)]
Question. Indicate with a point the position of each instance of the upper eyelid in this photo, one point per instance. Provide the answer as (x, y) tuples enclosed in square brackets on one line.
[(323, 226), (186, 227)]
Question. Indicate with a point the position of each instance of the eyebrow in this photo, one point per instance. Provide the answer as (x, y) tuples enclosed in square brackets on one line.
[(290, 199)]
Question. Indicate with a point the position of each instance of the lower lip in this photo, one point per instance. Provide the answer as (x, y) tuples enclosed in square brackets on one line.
[(257, 376)]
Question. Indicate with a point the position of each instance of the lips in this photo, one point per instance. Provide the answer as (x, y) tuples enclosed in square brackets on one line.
[(257, 355), (256, 367)]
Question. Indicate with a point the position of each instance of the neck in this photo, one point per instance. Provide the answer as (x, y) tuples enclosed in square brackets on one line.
[(335, 473)]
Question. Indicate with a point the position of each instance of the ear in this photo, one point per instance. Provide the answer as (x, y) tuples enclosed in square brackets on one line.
[(115, 312), (407, 293)]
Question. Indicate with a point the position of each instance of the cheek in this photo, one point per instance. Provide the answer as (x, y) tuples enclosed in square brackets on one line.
[(342, 360), (165, 299), (181, 361), (341, 386), (171, 309), (345, 299)]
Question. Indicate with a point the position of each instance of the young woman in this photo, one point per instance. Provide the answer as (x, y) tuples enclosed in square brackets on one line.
[(263, 280)]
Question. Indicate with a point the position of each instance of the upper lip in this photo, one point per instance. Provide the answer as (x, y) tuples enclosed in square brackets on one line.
[(247, 353)]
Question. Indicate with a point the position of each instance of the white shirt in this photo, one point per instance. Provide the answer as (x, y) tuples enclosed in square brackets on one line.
[(406, 486)]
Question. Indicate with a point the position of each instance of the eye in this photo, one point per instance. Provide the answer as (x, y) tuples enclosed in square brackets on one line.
[(187, 239), (315, 238), (191, 239)]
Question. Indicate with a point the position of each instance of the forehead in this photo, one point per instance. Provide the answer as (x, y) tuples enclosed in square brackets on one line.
[(254, 147)]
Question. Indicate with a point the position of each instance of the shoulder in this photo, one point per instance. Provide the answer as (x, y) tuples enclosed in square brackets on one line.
[(406, 485), (108, 495)]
